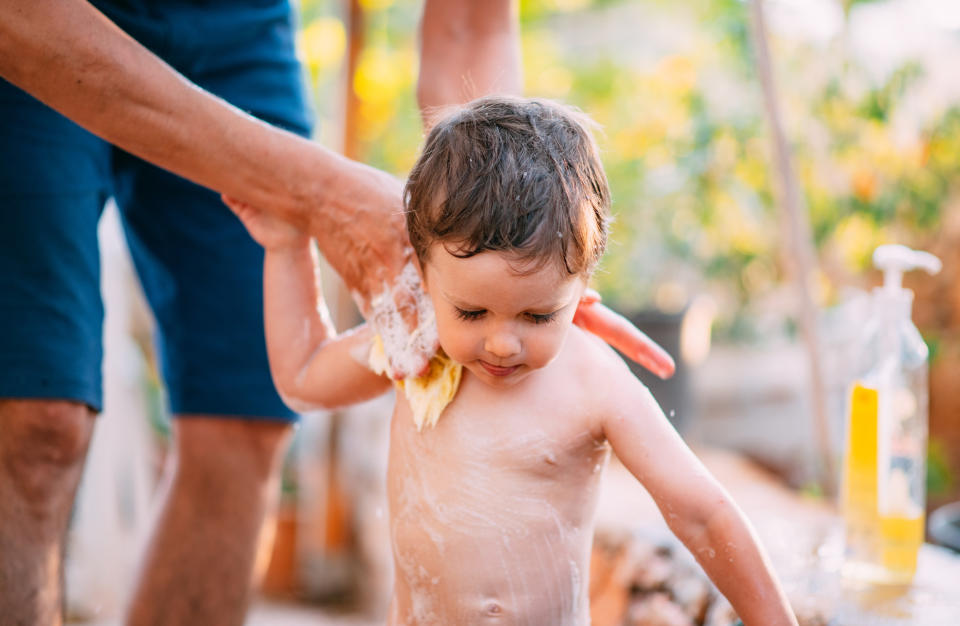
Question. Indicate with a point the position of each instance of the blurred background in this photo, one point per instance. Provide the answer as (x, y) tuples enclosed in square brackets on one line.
[(703, 254)]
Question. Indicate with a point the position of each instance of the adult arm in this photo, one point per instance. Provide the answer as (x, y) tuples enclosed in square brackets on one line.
[(71, 57), (471, 48), (468, 49)]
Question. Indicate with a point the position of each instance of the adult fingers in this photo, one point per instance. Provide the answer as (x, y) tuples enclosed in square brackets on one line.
[(620, 333)]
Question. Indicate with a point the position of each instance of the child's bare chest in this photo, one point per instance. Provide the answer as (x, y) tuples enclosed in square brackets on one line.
[(493, 504), (538, 443)]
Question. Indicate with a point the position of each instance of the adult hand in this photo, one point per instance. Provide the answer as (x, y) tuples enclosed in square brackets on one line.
[(361, 231), (266, 229), (620, 333)]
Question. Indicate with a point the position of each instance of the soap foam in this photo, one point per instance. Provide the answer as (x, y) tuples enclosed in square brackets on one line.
[(407, 352)]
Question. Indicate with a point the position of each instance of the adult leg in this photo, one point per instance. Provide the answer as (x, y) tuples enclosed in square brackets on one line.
[(220, 484), (52, 189), (43, 444), (202, 275)]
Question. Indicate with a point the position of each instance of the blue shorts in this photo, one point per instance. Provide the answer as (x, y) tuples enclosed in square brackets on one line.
[(200, 270)]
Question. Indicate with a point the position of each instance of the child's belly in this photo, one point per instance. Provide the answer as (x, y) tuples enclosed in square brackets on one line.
[(471, 569)]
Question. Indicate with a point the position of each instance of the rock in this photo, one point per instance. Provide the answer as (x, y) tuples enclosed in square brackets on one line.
[(721, 613), (656, 609), (691, 592), (653, 567)]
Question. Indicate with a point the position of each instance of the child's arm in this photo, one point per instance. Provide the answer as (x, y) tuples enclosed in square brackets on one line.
[(312, 366), (695, 506)]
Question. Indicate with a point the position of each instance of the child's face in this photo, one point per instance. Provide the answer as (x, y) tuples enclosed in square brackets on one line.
[(499, 324)]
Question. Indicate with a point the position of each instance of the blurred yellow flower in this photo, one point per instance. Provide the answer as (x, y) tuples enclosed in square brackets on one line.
[(375, 5), (733, 228), (568, 6), (551, 82), (855, 238), (634, 142), (382, 74), (322, 43), (678, 72), (876, 145), (752, 172)]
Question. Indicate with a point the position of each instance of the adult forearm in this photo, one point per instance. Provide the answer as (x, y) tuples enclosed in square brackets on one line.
[(70, 56), (468, 49)]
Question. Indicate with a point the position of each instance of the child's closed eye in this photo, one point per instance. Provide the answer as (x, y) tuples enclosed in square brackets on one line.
[(536, 318), (541, 318), (469, 315)]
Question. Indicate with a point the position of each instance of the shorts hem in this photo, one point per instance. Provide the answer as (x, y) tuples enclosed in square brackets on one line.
[(245, 402), (25, 385)]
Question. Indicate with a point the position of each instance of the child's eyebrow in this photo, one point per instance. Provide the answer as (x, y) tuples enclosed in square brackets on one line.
[(458, 302), (547, 308)]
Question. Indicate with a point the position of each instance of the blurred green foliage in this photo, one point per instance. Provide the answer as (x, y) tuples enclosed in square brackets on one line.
[(685, 143), (940, 481)]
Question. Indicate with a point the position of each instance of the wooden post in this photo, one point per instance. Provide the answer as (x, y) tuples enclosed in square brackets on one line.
[(801, 256), (355, 39), (338, 532)]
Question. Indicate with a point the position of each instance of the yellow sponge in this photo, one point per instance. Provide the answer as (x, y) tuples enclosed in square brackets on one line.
[(429, 394)]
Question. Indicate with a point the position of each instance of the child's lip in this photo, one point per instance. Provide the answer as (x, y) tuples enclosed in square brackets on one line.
[(495, 370)]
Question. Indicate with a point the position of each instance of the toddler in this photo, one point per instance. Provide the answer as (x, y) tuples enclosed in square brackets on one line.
[(492, 508)]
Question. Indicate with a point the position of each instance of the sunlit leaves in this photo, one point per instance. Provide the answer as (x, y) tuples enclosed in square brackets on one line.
[(684, 140)]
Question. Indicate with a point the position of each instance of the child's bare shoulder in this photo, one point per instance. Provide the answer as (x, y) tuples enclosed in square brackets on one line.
[(598, 369), (593, 358)]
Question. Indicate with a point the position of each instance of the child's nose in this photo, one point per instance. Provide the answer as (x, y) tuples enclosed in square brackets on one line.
[(502, 344)]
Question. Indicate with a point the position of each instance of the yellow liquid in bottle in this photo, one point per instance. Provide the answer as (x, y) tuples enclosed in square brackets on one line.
[(879, 548), (900, 539), (860, 518)]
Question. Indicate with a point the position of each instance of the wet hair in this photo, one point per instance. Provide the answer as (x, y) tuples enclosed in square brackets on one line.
[(511, 174)]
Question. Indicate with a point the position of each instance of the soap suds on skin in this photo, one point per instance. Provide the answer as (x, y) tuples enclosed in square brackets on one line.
[(446, 518), (405, 350)]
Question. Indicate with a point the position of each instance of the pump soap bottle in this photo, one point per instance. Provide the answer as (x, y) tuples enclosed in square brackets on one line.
[(886, 446)]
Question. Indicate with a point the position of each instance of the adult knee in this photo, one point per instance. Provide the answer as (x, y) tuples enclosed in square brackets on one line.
[(43, 444), (218, 446)]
